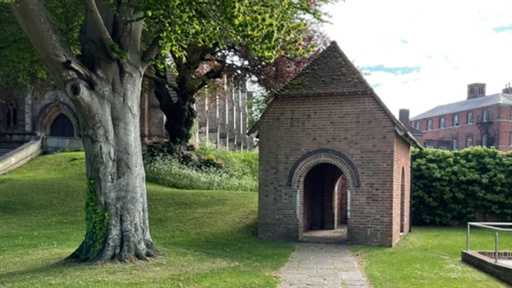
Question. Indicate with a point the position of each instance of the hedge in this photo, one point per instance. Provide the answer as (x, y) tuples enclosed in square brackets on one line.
[(454, 187)]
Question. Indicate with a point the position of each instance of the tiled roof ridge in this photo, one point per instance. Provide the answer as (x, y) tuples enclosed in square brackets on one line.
[(458, 106), (333, 48)]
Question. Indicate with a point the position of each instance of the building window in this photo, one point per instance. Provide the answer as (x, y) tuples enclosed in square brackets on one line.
[(442, 148), (470, 117), (469, 141), (455, 144), (511, 114), (484, 140), (485, 116), (418, 125), (510, 139), (12, 115), (441, 122), (455, 120), (429, 124)]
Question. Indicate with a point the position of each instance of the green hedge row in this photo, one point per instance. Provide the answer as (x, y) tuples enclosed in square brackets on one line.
[(453, 187)]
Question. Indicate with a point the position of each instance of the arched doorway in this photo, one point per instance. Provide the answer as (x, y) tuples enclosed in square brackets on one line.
[(62, 127), (329, 175), (325, 204)]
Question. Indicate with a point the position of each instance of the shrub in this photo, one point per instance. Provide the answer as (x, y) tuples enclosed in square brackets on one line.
[(453, 187)]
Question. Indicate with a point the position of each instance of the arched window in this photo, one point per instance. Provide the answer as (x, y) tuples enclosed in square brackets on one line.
[(12, 115)]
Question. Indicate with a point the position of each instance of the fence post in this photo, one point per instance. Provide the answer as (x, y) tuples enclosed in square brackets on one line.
[(467, 237), (496, 248)]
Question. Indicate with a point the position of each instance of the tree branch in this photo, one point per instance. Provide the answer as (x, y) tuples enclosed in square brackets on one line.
[(160, 80), (46, 40), (105, 35), (152, 51)]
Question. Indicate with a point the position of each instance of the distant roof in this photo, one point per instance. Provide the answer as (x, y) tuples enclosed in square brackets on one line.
[(331, 73), (499, 98)]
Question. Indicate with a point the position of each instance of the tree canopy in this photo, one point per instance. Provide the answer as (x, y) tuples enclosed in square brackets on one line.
[(97, 52)]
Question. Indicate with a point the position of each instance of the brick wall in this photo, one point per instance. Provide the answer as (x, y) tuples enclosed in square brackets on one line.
[(402, 188), (355, 126), (500, 127), (486, 264)]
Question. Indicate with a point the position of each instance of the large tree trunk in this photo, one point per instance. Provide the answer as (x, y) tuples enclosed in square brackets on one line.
[(104, 86), (116, 212)]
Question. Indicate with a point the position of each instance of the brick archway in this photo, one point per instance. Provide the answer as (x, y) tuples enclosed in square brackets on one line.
[(321, 156)]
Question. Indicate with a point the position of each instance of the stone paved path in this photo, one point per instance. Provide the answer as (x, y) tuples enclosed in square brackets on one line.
[(322, 266)]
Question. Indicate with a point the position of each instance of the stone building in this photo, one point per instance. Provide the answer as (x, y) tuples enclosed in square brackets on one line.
[(331, 154), (50, 114), (222, 115), (478, 120), (47, 113)]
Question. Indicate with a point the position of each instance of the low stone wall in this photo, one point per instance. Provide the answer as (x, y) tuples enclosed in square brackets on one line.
[(479, 260), (52, 144), (21, 155)]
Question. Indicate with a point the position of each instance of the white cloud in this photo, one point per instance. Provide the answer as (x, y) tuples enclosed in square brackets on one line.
[(452, 42)]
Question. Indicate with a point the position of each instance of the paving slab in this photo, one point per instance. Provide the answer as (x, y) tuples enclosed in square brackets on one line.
[(323, 266)]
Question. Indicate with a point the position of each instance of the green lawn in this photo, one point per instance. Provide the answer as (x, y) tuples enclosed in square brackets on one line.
[(430, 257), (208, 236)]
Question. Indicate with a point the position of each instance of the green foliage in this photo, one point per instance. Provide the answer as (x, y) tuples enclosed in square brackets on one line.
[(96, 221), (261, 25), (453, 187), (255, 107), (267, 28), (206, 169), (19, 64), (208, 236)]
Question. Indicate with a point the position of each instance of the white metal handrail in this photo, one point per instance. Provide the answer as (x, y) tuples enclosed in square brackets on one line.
[(491, 226)]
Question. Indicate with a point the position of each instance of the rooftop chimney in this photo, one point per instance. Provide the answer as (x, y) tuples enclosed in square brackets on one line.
[(476, 90), (403, 116), (507, 89)]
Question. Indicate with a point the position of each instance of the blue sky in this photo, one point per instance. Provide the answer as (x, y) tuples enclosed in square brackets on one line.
[(424, 53)]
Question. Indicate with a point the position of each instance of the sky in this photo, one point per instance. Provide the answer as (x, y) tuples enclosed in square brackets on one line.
[(421, 53)]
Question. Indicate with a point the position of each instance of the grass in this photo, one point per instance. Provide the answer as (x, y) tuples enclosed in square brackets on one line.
[(208, 236), (430, 257)]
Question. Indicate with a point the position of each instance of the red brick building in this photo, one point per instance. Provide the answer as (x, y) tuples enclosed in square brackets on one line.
[(331, 154), (478, 120)]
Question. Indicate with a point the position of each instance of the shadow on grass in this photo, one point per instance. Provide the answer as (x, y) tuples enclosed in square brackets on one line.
[(45, 269), (241, 246)]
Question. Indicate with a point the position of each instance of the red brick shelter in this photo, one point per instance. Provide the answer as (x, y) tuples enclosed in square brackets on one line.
[(332, 154)]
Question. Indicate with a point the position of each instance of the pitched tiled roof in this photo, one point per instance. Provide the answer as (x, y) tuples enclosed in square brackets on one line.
[(330, 72), (465, 105)]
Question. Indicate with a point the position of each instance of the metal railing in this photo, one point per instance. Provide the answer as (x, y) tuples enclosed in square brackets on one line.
[(491, 226)]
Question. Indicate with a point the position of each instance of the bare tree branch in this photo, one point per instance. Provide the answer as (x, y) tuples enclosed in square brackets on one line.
[(160, 80), (105, 35)]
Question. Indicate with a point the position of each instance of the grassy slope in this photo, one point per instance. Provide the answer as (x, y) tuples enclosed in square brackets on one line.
[(208, 236), (430, 257)]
